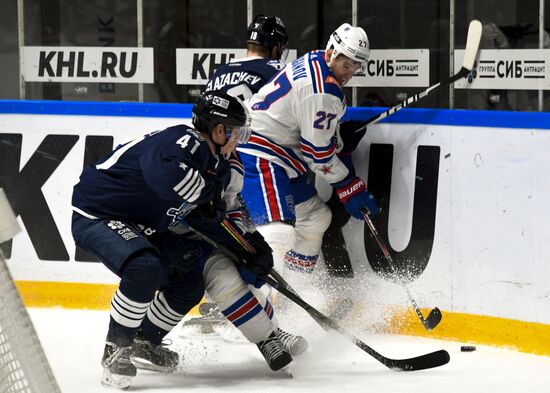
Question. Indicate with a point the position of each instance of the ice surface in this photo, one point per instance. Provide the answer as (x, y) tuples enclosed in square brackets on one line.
[(74, 340)]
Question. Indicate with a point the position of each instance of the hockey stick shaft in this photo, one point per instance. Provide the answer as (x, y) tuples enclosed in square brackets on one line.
[(470, 53), (435, 315), (430, 360), (413, 99)]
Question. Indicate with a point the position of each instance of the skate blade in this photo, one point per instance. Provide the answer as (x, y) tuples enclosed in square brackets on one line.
[(143, 364), (122, 382), (286, 372)]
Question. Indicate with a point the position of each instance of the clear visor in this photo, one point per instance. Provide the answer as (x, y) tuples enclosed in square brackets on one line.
[(361, 69), (240, 134)]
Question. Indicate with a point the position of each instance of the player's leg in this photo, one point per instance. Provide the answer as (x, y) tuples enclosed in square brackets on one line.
[(312, 219), (235, 300), (124, 250), (268, 196), (181, 291)]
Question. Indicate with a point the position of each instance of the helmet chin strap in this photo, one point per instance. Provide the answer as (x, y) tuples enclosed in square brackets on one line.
[(329, 63)]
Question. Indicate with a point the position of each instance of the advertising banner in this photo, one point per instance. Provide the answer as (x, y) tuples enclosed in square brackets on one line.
[(196, 66), (87, 64), (395, 68), (508, 69)]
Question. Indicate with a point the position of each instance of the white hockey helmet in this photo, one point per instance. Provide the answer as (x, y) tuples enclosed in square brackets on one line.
[(351, 42)]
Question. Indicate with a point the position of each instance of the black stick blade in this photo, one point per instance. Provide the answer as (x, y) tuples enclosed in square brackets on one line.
[(429, 360)]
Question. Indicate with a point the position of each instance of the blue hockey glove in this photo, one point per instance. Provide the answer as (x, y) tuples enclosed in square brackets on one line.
[(354, 195)]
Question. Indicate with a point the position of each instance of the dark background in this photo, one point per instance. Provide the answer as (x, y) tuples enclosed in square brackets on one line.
[(171, 24)]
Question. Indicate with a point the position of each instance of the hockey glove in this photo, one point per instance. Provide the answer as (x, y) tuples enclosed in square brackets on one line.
[(256, 265), (256, 240), (214, 211), (210, 213), (354, 195)]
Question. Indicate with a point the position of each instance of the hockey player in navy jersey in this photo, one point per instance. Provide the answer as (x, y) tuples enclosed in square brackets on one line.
[(294, 120), (267, 42), (124, 208)]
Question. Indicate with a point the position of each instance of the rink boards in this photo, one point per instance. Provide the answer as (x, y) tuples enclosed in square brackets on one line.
[(465, 197)]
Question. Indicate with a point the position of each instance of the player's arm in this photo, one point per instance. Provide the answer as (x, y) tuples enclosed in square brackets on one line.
[(175, 168), (318, 116), (318, 124)]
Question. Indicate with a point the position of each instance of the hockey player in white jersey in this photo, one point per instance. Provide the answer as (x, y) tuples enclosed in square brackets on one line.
[(266, 44), (294, 121)]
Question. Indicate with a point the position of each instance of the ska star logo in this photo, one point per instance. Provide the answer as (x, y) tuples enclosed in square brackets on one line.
[(326, 169), (115, 224)]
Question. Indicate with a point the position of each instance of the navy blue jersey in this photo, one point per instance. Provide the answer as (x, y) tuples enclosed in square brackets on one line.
[(242, 78), (149, 180)]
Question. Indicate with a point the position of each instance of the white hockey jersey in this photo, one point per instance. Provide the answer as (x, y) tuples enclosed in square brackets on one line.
[(295, 116)]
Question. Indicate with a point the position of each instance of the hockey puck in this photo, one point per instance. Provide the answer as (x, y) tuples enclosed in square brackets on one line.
[(467, 348)]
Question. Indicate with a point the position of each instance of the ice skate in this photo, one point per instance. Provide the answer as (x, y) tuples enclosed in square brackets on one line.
[(274, 352), (117, 368), (295, 345), (147, 356)]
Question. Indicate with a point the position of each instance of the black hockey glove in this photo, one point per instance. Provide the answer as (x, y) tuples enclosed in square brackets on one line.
[(214, 211), (256, 265), (256, 240)]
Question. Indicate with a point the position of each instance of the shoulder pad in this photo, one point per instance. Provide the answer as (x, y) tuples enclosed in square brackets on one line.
[(277, 64)]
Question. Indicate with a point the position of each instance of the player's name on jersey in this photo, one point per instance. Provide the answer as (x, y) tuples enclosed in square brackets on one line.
[(234, 78), (195, 66), (87, 64), (510, 69), (395, 68)]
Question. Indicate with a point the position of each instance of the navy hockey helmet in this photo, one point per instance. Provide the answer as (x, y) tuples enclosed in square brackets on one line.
[(269, 32), (215, 107)]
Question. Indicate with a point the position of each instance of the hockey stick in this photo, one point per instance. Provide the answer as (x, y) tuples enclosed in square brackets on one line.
[(430, 360), (422, 362), (434, 317), (470, 53)]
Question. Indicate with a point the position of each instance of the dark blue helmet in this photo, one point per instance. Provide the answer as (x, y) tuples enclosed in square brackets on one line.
[(269, 32), (214, 107)]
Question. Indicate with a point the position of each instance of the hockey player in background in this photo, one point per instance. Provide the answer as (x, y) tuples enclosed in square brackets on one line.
[(295, 118), (266, 46), (267, 42), (128, 212)]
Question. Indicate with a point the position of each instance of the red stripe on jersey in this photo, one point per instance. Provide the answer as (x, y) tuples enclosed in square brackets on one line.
[(238, 215), (270, 190), (255, 139), (236, 163), (317, 154), (318, 77)]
